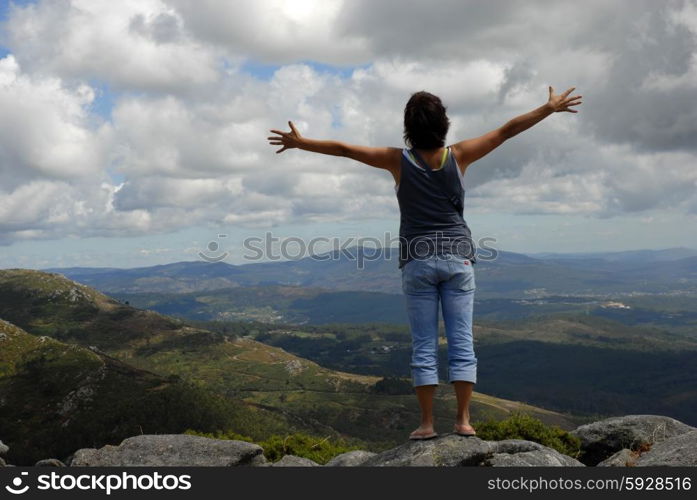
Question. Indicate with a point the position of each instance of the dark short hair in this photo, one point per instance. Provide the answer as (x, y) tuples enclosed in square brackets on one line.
[(425, 121)]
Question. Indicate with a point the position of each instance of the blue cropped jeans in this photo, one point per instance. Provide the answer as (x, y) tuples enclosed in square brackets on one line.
[(448, 279)]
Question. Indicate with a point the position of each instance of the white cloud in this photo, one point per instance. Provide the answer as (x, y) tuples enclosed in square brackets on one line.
[(594, 180), (152, 192), (188, 128), (274, 31), (45, 128), (462, 84), (130, 43), (53, 161)]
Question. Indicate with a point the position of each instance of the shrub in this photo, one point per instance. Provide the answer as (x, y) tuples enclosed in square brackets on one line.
[(392, 386), (321, 450), (220, 435), (523, 426)]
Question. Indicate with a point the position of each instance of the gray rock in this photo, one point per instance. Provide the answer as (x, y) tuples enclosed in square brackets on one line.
[(601, 439), (453, 450), (521, 453), (445, 450), (679, 450), (49, 462), (2, 462), (3, 449), (171, 449), (350, 458), (295, 461), (623, 458), (538, 458)]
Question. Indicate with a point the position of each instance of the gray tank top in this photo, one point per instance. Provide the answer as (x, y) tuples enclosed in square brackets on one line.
[(431, 210)]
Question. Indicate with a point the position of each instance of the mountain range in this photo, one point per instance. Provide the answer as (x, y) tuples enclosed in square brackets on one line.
[(508, 275)]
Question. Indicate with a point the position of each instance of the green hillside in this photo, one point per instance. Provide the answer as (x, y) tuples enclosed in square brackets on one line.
[(584, 365), (294, 393), (49, 304), (57, 397), (275, 304)]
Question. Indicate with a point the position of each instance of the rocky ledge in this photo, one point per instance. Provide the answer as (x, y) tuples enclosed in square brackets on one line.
[(631, 440)]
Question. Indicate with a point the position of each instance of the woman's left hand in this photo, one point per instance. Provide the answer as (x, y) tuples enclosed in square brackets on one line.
[(562, 102), (288, 140)]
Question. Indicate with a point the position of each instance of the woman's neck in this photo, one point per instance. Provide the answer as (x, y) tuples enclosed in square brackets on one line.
[(433, 157)]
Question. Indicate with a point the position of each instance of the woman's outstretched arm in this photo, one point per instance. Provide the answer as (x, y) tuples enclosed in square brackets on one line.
[(387, 158), (470, 150)]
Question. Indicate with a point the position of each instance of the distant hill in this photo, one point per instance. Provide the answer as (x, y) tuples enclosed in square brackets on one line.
[(315, 306), (663, 255), (510, 275), (176, 277)]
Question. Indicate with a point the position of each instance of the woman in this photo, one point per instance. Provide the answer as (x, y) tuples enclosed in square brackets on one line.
[(436, 248)]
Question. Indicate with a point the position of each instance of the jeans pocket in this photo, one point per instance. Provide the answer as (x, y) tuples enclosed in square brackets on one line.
[(463, 274), (415, 275)]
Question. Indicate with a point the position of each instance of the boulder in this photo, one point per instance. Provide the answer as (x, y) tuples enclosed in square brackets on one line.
[(49, 462), (445, 450), (603, 438), (2, 462), (521, 453), (350, 458), (623, 458), (631, 440), (453, 450), (3, 449), (171, 449), (679, 450), (295, 461)]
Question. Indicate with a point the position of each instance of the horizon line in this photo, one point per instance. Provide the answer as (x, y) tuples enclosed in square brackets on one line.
[(535, 255)]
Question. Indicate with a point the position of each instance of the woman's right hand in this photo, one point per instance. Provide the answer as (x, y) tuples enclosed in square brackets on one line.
[(562, 102), (288, 140)]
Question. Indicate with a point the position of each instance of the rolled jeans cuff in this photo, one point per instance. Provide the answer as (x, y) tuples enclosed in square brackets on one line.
[(424, 378), (465, 375)]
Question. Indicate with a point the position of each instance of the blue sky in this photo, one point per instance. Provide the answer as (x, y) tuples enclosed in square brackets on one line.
[(4, 7), (143, 138)]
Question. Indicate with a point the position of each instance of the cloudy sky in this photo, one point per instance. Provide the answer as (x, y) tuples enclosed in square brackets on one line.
[(134, 132)]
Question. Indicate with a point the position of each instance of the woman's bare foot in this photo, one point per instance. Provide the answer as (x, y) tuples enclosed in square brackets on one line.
[(423, 432), (464, 430)]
